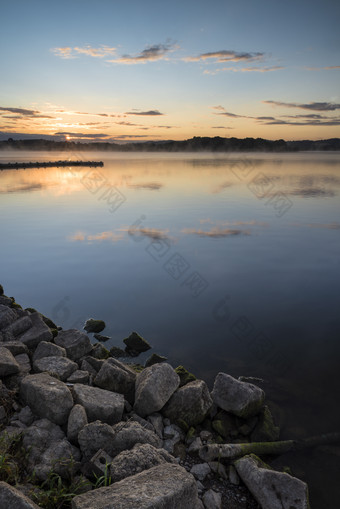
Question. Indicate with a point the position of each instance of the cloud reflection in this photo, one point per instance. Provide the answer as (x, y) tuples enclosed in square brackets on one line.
[(216, 232)]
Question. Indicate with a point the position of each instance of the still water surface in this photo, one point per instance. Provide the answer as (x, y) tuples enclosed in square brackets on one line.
[(223, 263)]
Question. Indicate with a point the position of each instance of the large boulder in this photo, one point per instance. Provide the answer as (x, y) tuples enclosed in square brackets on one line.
[(271, 489), (60, 367), (46, 349), (95, 436), (239, 398), (99, 404), (18, 327), (154, 387), (128, 434), (165, 486), (15, 347), (8, 364), (117, 377), (140, 457), (189, 404), (60, 457), (11, 498), (47, 397), (76, 343), (37, 333)]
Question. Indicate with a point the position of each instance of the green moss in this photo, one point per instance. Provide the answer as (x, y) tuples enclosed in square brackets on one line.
[(92, 325), (190, 433), (31, 310), (183, 424), (184, 375), (15, 305), (54, 332), (138, 368)]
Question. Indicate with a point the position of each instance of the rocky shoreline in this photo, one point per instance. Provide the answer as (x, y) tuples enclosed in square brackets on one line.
[(126, 436)]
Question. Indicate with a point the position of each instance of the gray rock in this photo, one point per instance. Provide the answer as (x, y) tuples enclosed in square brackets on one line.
[(157, 422), (45, 349), (99, 464), (200, 471), (136, 344), (18, 327), (24, 363), (37, 333), (117, 352), (86, 366), (60, 367), (100, 352), (195, 446), (154, 387), (139, 458), (95, 436), (76, 421), (212, 500), (117, 377), (15, 347), (41, 433), (165, 486), (189, 403), (143, 422), (92, 325), (8, 364), (172, 436), (47, 397), (76, 343), (200, 504), (219, 469), (271, 489), (3, 414), (79, 377), (128, 434), (26, 416), (11, 498), (99, 404), (60, 457), (265, 429), (154, 359), (100, 337), (233, 476), (5, 301), (7, 316), (239, 398)]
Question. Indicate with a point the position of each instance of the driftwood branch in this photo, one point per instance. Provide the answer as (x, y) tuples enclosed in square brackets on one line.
[(234, 451)]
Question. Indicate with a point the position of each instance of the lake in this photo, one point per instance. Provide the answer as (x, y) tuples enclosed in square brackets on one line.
[(225, 262)]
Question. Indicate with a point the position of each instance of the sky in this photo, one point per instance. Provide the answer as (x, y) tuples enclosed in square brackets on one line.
[(152, 70)]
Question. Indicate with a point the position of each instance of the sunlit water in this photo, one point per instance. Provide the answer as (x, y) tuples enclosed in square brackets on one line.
[(223, 263)]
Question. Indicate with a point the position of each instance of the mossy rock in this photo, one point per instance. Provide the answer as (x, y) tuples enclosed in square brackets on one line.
[(265, 430), (31, 310), (184, 376), (92, 325), (183, 425), (1, 290), (225, 425), (135, 344), (15, 305), (54, 332), (154, 359), (138, 368), (190, 433), (100, 352), (117, 352)]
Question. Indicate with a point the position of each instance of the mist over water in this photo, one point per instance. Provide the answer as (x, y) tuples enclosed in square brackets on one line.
[(223, 263)]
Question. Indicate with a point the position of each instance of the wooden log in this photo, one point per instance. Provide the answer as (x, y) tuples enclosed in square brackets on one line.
[(231, 452)]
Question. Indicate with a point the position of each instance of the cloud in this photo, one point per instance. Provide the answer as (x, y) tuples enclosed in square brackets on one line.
[(221, 127), (24, 113), (317, 123), (151, 186), (82, 135), (216, 232), (226, 56), (149, 54), (151, 233), (328, 68), (67, 52), (315, 106), (243, 69), (150, 113), (108, 235)]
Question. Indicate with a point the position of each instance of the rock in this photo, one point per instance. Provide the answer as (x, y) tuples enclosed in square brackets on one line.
[(15, 347), (24, 363), (5, 301), (128, 434), (200, 471), (225, 424), (218, 468), (184, 375), (239, 398), (60, 457), (26, 416), (136, 344), (157, 422), (7, 316), (143, 422), (37, 333), (3, 414), (200, 504), (76, 343), (59, 367), (265, 430), (271, 489), (165, 486), (100, 352), (172, 436), (47, 397), (189, 403), (79, 377), (1, 290), (117, 352), (99, 404), (154, 386), (95, 436), (95, 363), (212, 500), (117, 377), (99, 464), (154, 359), (11, 498), (139, 458), (18, 327), (99, 337), (233, 476), (195, 446), (87, 367), (45, 349), (8, 364), (92, 325), (76, 421)]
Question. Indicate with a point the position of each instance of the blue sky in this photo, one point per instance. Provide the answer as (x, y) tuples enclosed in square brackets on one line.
[(170, 70)]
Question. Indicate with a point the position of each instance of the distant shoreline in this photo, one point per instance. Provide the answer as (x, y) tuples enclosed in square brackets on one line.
[(196, 144)]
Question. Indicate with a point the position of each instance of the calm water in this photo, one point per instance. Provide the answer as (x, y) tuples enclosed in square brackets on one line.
[(223, 263)]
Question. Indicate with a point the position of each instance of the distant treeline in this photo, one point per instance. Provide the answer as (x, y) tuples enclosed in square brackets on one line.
[(196, 144)]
